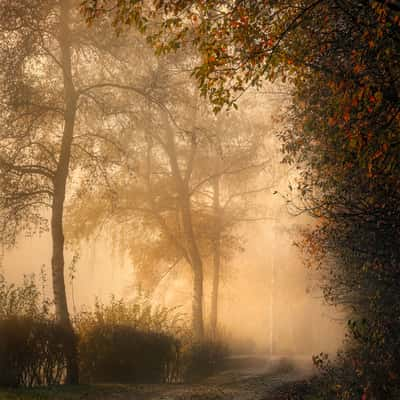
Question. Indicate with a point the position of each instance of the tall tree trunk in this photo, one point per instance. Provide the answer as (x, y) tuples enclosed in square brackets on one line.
[(196, 264), (197, 304), (60, 182), (272, 326), (188, 231), (216, 249)]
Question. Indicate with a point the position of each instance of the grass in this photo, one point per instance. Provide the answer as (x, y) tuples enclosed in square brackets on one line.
[(68, 392)]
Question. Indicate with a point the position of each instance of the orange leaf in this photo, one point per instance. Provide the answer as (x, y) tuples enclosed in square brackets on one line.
[(377, 154), (385, 147)]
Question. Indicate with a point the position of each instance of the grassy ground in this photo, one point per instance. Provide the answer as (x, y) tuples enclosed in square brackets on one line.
[(68, 392), (272, 382)]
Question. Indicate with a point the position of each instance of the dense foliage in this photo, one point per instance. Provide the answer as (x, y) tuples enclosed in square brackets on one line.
[(32, 344), (123, 342), (201, 360), (137, 342), (120, 342), (344, 130)]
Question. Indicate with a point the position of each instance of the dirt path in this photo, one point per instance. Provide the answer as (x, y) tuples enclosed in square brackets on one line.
[(260, 387), (246, 384)]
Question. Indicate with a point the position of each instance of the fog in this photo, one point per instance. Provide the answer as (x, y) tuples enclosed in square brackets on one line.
[(267, 298), (269, 301)]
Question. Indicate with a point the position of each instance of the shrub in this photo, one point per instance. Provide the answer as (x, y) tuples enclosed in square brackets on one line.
[(132, 342), (203, 359), (31, 343), (32, 353), (118, 342), (366, 368), (23, 300), (128, 343), (121, 353)]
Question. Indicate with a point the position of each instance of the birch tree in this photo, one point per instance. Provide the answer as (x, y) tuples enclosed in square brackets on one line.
[(60, 116)]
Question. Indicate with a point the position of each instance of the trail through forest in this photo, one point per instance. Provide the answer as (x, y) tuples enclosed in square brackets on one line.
[(273, 381)]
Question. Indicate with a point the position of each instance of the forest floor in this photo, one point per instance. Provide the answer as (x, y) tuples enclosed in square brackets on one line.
[(278, 381)]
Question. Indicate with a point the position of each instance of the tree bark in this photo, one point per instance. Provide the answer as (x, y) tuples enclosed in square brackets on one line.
[(188, 231), (59, 190), (216, 249), (197, 267)]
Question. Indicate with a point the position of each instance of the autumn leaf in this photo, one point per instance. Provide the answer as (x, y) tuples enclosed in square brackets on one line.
[(331, 121), (377, 155)]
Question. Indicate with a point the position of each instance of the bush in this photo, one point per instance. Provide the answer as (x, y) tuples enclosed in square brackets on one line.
[(123, 354), (203, 359), (118, 342), (128, 343), (367, 367), (135, 342), (32, 344), (32, 353)]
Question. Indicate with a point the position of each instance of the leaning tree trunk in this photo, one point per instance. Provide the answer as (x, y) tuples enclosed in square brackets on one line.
[(216, 250), (60, 182)]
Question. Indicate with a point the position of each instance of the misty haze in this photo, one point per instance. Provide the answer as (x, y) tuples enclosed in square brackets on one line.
[(199, 199)]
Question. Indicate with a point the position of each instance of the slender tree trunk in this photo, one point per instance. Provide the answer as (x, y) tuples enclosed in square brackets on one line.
[(197, 304), (188, 231), (197, 267), (272, 326), (216, 249), (60, 182)]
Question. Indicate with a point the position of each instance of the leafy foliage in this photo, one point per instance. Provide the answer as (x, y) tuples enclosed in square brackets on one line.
[(117, 342), (350, 45), (346, 149), (129, 342), (134, 342), (124, 354), (32, 344), (204, 359)]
